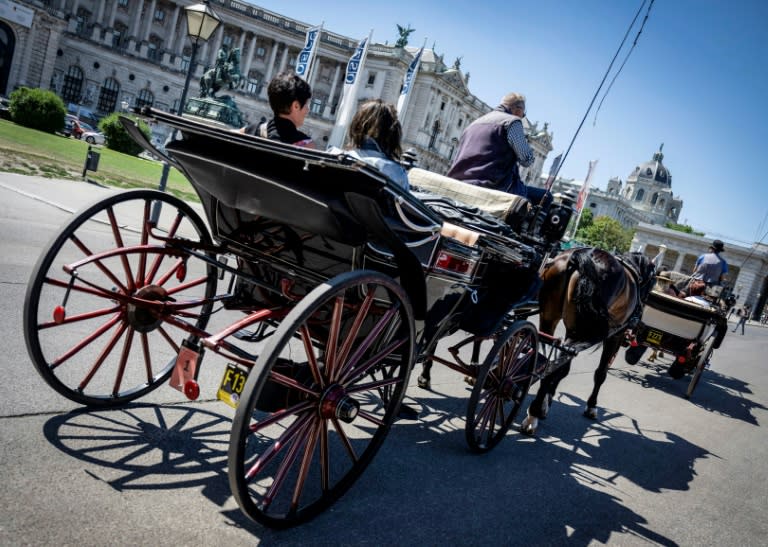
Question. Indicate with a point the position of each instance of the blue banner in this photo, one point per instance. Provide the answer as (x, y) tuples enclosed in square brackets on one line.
[(305, 55), (353, 66)]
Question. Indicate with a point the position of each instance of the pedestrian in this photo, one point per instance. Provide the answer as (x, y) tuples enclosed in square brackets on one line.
[(289, 99), (374, 137), (743, 314), (492, 148)]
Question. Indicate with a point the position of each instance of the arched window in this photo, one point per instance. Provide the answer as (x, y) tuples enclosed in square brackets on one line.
[(108, 96), (154, 47), (72, 89), (640, 194), (654, 198), (145, 98)]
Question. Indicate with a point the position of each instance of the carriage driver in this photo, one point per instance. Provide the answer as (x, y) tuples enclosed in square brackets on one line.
[(711, 267)]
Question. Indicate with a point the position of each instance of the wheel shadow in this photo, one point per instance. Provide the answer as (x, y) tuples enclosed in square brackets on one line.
[(716, 392), (151, 447)]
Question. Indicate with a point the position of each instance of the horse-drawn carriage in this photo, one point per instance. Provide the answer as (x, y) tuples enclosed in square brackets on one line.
[(339, 281), (689, 328)]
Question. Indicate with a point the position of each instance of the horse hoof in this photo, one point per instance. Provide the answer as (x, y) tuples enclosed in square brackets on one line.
[(423, 383), (591, 413), (528, 427)]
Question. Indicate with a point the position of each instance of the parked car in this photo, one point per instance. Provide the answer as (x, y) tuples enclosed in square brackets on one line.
[(93, 137), (5, 104)]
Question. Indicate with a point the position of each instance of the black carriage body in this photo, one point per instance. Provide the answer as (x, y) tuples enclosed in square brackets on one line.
[(676, 325), (299, 216)]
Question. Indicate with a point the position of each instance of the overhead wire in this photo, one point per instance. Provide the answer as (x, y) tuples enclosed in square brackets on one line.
[(608, 89), (597, 92)]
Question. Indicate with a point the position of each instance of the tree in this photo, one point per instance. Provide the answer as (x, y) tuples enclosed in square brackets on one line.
[(606, 233), (39, 109), (682, 228), (118, 138)]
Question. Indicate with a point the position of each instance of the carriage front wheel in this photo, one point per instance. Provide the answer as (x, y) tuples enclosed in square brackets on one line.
[(704, 356), (501, 385), (91, 319), (321, 398)]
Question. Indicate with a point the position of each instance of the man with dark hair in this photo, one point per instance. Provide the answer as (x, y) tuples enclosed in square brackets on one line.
[(289, 99)]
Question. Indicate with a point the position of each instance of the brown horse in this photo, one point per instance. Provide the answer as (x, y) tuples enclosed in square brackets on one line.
[(598, 296)]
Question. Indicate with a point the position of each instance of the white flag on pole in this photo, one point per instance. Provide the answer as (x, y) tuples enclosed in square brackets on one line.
[(584, 192), (307, 54), (410, 76), (348, 103)]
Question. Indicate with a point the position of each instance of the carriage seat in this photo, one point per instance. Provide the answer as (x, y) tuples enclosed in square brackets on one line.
[(509, 208)]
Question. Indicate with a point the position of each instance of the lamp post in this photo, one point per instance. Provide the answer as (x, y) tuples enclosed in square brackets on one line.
[(202, 22)]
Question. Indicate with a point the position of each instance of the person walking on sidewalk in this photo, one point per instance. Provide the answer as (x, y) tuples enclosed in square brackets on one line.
[(743, 316)]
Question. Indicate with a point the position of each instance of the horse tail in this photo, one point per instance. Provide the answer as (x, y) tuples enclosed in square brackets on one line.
[(587, 300)]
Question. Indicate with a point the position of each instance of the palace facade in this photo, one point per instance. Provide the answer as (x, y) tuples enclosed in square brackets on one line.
[(105, 55)]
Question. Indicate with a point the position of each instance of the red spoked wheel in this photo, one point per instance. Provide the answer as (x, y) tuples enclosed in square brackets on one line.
[(704, 356), (329, 385), (501, 385), (106, 298)]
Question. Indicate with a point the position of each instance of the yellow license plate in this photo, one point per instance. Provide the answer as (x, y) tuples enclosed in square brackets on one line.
[(654, 337), (232, 385)]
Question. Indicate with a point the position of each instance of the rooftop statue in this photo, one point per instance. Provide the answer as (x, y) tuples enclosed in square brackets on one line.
[(404, 33)]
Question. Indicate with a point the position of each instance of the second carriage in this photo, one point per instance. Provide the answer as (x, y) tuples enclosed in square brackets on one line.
[(339, 280)]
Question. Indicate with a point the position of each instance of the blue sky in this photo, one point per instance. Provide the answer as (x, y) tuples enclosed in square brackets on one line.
[(697, 81)]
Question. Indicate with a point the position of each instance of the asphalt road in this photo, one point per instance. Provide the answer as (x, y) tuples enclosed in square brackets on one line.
[(655, 469)]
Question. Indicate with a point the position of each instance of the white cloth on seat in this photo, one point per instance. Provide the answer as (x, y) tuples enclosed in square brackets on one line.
[(494, 202)]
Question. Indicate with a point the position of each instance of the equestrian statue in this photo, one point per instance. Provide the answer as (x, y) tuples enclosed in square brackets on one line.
[(226, 72)]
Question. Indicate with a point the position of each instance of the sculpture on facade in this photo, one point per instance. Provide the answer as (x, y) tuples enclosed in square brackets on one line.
[(404, 33), (226, 72)]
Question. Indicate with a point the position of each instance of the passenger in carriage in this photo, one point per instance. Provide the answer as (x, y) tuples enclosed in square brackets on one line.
[(374, 138), (289, 99), (491, 149)]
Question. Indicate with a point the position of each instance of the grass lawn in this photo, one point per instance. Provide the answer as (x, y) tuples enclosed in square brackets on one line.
[(31, 152)]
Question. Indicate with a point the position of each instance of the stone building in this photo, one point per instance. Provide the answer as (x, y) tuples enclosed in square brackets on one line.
[(103, 54), (646, 196)]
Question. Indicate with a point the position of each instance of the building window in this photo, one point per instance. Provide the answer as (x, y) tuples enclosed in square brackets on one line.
[(152, 52), (433, 136), (108, 96), (159, 16), (654, 198), (122, 3), (317, 104), (228, 40), (145, 98), (442, 106), (73, 85), (640, 195), (371, 79), (261, 52)]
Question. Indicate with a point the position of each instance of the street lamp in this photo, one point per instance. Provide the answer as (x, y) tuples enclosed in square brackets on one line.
[(202, 22)]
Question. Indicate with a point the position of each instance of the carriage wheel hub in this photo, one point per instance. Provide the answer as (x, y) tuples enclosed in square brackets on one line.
[(142, 319), (336, 403)]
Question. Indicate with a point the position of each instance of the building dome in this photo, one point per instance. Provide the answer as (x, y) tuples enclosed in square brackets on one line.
[(653, 171)]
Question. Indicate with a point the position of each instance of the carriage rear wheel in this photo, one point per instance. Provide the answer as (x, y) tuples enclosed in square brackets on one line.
[(501, 385), (84, 338), (321, 398), (701, 364)]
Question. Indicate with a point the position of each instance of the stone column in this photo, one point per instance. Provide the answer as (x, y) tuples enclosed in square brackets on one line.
[(271, 66), (133, 35), (98, 23), (246, 66), (150, 18), (111, 23), (173, 39), (329, 104), (679, 262), (27, 54)]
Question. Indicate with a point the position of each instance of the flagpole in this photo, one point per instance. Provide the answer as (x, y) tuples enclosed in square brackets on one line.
[(582, 199), (408, 81), (348, 102), (314, 51)]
